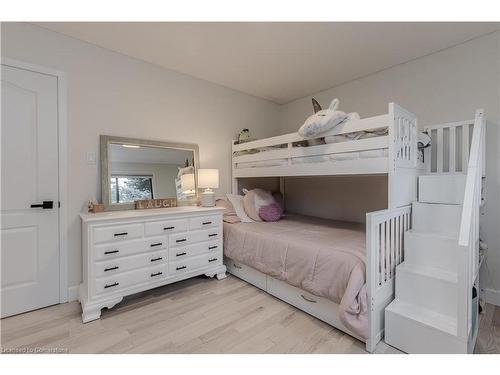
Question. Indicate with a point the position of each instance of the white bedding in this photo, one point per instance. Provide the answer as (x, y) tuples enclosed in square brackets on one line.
[(367, 154)]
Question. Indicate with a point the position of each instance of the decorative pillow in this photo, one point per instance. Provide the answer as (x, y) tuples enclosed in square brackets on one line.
[(254, 200), (278, 199), (262, 205), (229, 214), (322, 120), (237, 202), (271, 212)]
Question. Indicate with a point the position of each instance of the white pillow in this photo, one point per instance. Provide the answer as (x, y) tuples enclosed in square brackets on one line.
[(237, 202)]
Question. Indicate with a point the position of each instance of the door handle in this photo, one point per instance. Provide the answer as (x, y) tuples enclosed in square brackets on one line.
[(45, 205)]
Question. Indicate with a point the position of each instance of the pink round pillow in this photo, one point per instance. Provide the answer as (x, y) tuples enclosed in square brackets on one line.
[(255, 199), (271, 212)]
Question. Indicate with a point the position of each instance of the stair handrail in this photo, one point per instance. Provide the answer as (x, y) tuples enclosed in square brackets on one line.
[(468, 238), (473, 179)]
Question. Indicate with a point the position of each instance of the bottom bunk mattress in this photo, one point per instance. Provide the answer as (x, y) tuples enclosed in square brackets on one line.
[(324, 257)]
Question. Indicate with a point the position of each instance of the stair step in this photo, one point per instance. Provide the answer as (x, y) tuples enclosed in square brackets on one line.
[(428, 287), (425, 316), (441, 219), (424, 249), (414, 329), (442, 188)]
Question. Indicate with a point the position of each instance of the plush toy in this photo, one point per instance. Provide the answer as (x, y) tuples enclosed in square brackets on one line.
[(322, 120), (424, 140), (244, 136)]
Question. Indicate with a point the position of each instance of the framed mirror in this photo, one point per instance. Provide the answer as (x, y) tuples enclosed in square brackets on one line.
[(136, 169)]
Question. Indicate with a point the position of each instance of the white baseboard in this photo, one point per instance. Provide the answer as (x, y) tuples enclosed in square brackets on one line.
[(73, 293), (492, 296)]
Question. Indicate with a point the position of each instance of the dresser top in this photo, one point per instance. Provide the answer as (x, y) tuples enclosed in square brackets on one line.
[(128, 214)]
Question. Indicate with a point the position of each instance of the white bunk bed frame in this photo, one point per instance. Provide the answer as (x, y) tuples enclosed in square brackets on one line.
[(384, 229)]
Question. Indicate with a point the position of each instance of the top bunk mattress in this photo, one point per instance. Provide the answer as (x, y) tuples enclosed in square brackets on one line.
[(324, 257)]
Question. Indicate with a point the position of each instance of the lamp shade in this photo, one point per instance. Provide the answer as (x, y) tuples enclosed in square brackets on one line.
[(208, 178), (187, 182)]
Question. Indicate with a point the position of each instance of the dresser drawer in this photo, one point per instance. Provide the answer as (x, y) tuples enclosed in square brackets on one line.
[(124, 248), (203, 222), (118, 233), (181, 239), (107, 268), (191, 264), (166, 226), (127, 279), (182, 252)]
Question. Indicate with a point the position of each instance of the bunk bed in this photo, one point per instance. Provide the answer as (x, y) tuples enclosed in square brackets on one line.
[(392, 151)]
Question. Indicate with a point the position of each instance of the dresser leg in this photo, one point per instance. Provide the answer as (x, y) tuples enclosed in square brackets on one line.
[(93, 312), (89, 315), (219, 272), (221, 275)]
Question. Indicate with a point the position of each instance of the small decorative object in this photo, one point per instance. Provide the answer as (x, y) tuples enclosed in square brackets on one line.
[(208, 179), (244, 136), (155, 203), (94, 207)]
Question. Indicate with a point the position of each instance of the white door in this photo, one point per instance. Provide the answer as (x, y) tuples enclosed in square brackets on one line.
[(29, 235)]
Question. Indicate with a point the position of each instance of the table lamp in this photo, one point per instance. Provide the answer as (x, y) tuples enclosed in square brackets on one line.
[(208, 179), (187, 184)]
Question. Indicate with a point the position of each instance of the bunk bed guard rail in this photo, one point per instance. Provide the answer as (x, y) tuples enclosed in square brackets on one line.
[(385, 250)]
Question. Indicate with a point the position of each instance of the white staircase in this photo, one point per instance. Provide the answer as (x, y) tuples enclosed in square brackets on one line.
[(433, 309)]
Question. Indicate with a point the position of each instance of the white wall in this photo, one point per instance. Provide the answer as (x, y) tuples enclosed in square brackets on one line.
[(442, 87), (346, 198), (112, 94)]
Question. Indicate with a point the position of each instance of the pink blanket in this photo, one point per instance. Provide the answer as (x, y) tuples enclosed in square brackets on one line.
[(324, 257)]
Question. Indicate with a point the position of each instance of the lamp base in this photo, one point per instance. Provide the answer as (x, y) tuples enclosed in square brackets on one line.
[(208, 199)]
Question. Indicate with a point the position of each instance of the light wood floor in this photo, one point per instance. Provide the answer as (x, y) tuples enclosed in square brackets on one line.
[(196, 316)]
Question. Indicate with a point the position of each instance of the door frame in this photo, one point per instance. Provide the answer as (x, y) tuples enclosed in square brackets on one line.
[(62, 163)]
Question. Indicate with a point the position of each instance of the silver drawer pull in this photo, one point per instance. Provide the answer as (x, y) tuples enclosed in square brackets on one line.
[(180, 268), (156, 274), (156, 244), (181, 240), (111, 269), (308, 299), (212, 260), (156, 259), (168, 228), (237, 267), (120, 234), (206, 223), (212, 234), (111, 252), (212, 247), (180, 254), (111, 285)]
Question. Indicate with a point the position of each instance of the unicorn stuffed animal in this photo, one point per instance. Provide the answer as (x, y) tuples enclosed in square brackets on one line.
[(325, 119)]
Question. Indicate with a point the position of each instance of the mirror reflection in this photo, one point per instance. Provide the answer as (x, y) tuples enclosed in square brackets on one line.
[(146, 172)]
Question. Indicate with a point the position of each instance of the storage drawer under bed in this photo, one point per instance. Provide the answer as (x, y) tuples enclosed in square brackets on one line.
[(246, 273)]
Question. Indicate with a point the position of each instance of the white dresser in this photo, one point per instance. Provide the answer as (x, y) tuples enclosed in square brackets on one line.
[(125, 252)]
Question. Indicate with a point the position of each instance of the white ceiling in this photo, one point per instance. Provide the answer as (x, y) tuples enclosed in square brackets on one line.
[(276, 61)]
